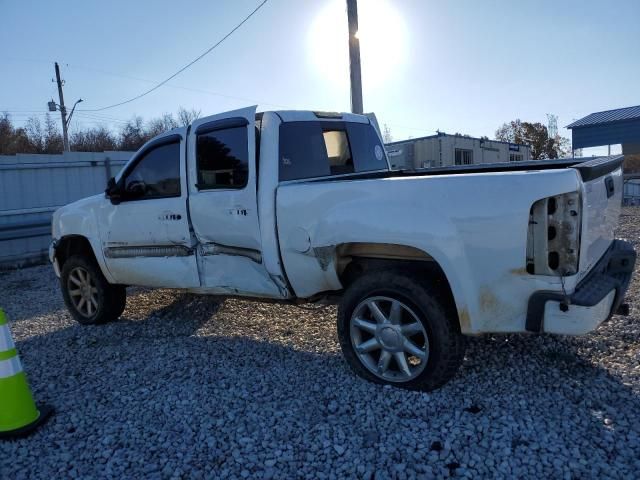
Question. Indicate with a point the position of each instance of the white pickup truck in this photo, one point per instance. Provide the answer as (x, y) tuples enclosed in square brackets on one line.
[(301, 206)]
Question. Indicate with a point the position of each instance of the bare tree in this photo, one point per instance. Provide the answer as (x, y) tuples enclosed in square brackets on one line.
[(160, 125), (185, 117), (98, 139), (39, 136), (35, 135), (132, 135), (7, 135), (51, 140)]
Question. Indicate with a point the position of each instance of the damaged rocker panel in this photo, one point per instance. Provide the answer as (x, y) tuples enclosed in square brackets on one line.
[(148, 251), (218, 249)]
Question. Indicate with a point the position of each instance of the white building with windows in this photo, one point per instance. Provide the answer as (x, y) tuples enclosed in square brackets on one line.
[(442, 150)]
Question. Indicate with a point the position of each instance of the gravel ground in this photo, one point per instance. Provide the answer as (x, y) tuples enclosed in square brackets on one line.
[(183, 387)]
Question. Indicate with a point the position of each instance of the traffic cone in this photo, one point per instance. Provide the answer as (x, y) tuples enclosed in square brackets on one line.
[(19, 415)]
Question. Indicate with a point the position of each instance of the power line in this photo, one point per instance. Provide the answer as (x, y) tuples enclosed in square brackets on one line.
[(26, 113), (88, 117), (24, 116), (22, 111), (181, 87), (185, 67)]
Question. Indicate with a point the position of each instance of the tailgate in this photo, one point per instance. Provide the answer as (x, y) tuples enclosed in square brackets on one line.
[(601, 203)]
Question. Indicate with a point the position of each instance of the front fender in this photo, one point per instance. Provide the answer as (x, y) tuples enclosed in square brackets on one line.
[(81, 219)]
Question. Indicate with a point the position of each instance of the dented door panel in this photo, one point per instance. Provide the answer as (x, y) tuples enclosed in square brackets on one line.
[(225, 219)]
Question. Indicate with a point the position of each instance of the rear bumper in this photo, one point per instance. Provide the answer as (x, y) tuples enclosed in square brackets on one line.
[(594, 300)]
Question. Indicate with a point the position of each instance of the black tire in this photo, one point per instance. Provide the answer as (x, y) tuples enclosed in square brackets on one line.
[(111, 299), (446, 345)]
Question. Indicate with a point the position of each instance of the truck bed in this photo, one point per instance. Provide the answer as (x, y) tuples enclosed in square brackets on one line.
[(474, 226), (589, 168)]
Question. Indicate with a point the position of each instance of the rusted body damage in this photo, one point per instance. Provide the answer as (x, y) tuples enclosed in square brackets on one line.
[(339, 257)]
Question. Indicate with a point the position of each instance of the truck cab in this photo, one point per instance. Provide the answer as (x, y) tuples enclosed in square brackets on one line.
[(190, 211)]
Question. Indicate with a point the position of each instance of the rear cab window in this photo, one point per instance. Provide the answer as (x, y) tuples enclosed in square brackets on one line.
[(321, 149)]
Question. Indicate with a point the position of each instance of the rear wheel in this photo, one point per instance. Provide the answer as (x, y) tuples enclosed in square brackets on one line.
[(393, 329), (90, 298)]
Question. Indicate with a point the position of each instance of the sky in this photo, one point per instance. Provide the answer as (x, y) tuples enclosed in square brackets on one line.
[(463, 66)]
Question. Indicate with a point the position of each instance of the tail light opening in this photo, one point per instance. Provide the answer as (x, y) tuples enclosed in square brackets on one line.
[(553, 242)]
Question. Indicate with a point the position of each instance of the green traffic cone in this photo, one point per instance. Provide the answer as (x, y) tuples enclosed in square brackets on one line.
[(19, 415)]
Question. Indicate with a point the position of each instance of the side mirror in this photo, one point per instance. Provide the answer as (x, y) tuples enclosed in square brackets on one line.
[(110, 185), (113, 192)]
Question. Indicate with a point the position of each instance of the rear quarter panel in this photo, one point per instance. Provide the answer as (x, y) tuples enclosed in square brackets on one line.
[(473, 225)]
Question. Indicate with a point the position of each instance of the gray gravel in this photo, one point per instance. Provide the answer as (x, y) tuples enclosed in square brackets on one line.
[(183, 387)]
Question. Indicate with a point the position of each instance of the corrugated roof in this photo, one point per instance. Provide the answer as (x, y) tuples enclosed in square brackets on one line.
[(608, 116)]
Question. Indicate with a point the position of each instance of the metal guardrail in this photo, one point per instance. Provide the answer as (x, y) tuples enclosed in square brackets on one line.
[(20, 231)]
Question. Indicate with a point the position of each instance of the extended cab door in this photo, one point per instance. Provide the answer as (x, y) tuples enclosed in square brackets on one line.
[(223, 206), (144, 225)]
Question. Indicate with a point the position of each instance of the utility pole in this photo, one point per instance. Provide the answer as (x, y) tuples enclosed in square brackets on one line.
[(354, 57), (63, 111)]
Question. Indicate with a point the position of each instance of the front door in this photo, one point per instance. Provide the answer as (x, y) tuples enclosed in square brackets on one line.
[(223, 205), (145, 233)]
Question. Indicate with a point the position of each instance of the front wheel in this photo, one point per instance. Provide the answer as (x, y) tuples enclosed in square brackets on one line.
[(90, 298), (394, 330)]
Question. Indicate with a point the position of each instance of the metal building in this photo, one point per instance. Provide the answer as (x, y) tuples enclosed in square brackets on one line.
[(613, 127), (444, 150)]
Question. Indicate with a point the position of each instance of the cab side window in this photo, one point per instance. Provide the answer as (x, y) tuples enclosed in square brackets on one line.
[(222, 158), (155, 175)]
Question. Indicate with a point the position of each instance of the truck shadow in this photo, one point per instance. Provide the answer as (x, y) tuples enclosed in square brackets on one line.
[(178, 379)]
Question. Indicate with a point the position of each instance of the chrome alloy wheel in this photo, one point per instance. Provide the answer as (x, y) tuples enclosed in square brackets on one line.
[(83, 292), (389, 339)]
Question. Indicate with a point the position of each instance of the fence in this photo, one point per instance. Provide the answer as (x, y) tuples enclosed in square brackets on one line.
[(632, 192), (32, 187)]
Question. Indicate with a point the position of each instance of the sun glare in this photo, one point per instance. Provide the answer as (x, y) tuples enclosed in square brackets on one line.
[(382, 36)]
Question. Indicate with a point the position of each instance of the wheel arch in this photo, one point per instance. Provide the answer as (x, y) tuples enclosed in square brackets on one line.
[(73, 245), (358, 258)]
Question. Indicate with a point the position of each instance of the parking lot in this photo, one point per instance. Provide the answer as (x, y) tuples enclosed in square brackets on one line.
[(187, 387)]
